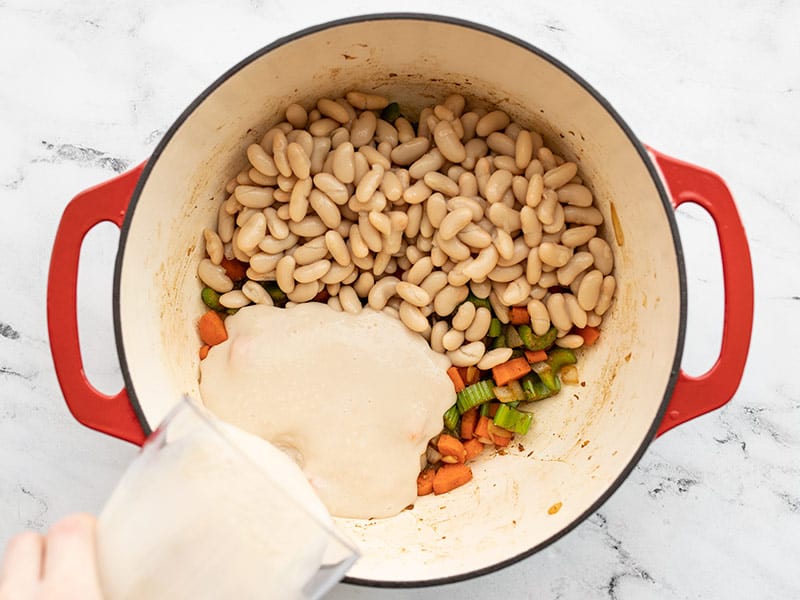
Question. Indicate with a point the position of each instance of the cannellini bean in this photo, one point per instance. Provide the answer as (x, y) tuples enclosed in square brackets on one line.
[(495, 357), (453, 248), (365, 101), (517, 292), (284, 273), (344, 168), (576, 314), (578, 263), (380, 221), (336, 245), (481, 289), (413, 294), (589, 290), (414, 214), (303, 292), (325, 208), (603, 257), (405, 132), (583, 216), (448, 298), (298, 160), (483, 264), (571, 340), (540, 317), (276, 226), (441, 183), (279, 146), (370, 235), (557, 309), (374, 157), (369, 183), (259, 178), (464, 316), (214, 246), (309, 227), (453, 339), (348, 298), (575, 194), (234, 299), (448, 142), (561, 175), (386, 132), (312, 272), (577, 236), (468, 355), (500, 309), (436, 209), (332, 109), (531, 226), (505, 274), (475, 237), (296, 115), (437, 334), (479, 327), (256, 293), (504, 243), (261, 161), (505, 218), (417, 193), (261, 262), (339, 274), (380, 293), (271, 245), (533, 270), (254, 196), (546, 211), (606, 295), (364, 284), (411, 316), (523, 149), (252, 232), (420, 270), (391, 186), (454, 222), (225, 225), (554, 255), (332, 187), (214, 276), (493, 121), (363, 129), (498, 184), (409, 151), (334, 303), (298, 201), (501, 144)]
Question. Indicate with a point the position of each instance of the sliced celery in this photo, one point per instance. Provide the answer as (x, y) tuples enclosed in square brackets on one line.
[(547, 375), (534, 388), (512, 419), (478, 302), (561, 357), (526, 335), (276, 293), (495, 328), (512, 337), (484, 409), (499, 341), (211, 299), (475, 395), (511, 392), (451, 417), (543, 342)]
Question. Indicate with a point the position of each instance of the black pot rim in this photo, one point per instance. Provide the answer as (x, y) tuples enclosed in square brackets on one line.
[(668, 210)]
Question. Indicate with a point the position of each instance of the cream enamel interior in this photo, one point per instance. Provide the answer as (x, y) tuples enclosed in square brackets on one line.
[(583, 439)]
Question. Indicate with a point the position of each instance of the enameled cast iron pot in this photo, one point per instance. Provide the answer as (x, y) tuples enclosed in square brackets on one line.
[(585, 442)]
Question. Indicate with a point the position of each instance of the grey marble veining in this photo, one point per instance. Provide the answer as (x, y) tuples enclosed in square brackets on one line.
[(713, 509)]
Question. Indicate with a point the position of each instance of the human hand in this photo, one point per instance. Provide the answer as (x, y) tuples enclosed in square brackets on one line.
[(60, 566)]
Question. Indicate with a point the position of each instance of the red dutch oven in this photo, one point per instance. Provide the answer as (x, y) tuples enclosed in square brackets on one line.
[(585, 442)]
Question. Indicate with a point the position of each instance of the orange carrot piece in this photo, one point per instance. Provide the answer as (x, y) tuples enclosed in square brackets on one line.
[(473, 375), (493, 409), (468, 421), (510, 370), (482, 428), (234, 269), (589, 334), (519, 315), (212, 329), (450, 446), (474, 448), (204, 351), (462, 371), (450, 476), (535, 356), (455, 377), (501, 442), (425, 482)]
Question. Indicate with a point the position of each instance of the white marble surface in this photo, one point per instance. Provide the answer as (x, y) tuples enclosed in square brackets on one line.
[(713, 510)]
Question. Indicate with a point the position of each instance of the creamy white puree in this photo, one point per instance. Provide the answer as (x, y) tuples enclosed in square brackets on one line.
[(353, 398), (195, 520)]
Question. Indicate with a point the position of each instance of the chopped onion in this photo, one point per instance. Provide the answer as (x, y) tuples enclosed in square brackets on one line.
[(569, 374)]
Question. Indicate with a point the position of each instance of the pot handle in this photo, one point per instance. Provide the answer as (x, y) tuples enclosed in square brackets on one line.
[(113, 415), (695, 396)]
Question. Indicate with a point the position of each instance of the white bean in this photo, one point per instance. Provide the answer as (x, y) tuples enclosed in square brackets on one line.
[(606, 295), (284, 273), (420, 270), (303, 292), (540, 317), (448, 142), (583, 216), (348, 298), (479, 327), (411, 316), (312, 272), (253, 196), (234, 299), (576, 313), (256, 293), (577, 236), (364, 284), (493, 121), (498, 184), (468, 355), (557, 309), (214, 246), (434, 283), (589, 289), (453, 339), (454, 222), (603, 257), (413, 294), (464, 316), (579, 262), (380, 293), (365, 101), (495, 357), (445, 302), (252, 232), (214, 276), (261, 262), (338, 274), (554, 255), (531, 226), (437, 334)]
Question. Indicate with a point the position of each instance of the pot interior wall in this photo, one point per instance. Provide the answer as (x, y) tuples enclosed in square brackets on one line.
[(583, 439)]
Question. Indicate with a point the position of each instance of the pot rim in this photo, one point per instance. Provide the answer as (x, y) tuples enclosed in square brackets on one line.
[(640, 149)]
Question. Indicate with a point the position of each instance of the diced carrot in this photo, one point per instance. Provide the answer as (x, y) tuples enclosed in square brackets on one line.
[(468, 421), (450, 446), (204, 351), (493, 409), (473, 375), (450, 476), (212, 328), (510, 370), (234, 269), (589, 334), (425, 482), (455, 377), (519, 315), (535, 356), (474, 448), (482, 428), (501, 442), (463, 372)]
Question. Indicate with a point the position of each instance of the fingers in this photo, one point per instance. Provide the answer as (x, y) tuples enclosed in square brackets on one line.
[(22, 566), (70, 569)]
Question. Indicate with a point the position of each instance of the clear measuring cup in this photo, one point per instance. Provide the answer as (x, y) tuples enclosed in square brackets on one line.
[(209, 511)]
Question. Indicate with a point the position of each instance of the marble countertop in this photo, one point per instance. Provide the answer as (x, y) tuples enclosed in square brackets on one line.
[(712, 510)]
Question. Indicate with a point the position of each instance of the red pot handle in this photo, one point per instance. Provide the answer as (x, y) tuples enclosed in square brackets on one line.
[(113, 415), (695, 396)]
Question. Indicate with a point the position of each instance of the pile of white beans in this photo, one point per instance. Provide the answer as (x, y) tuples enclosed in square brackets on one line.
[(411, 221)]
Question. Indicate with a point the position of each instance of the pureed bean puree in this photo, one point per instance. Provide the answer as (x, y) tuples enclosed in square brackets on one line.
[(354, 398)]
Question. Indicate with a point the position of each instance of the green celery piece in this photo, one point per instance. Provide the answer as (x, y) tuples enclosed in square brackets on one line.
[(517, 353), (526, 334), (561, 357), (547, 375), (543, 342), (478, 302), (499, 342), (391, 112), (276, 293), (451, 418), (211, 299), (483, 411), (475, 395), (495, 328), (534, 388), (512, 419), (512, 337)]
